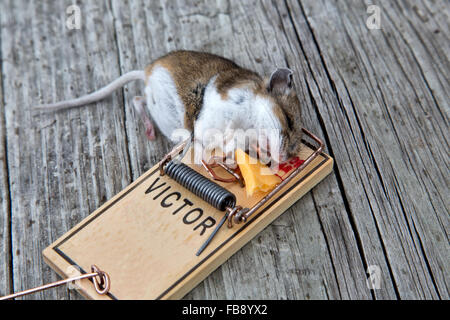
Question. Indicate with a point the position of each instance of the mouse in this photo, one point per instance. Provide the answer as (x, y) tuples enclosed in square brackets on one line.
[(203, 93)]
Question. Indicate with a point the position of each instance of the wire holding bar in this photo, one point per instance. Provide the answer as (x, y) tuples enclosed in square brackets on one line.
[(100, 279)]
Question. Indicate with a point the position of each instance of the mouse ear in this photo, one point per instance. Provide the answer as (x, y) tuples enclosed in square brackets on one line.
[(280, 81)]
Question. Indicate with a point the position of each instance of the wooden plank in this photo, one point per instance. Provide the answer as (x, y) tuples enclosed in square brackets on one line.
[(259, 44), (134, 53), (5, 223), (146, 239), (377, 104), (62, 166)]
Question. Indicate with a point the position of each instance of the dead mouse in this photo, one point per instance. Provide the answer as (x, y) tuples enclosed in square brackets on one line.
[(203, 92)]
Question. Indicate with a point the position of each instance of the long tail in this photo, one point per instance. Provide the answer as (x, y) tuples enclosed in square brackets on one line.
[(95, 96)]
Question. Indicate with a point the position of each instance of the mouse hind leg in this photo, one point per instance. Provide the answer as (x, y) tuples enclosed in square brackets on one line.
[(140, 106)]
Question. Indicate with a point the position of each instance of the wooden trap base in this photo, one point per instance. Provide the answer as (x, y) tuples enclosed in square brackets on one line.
[(146, 237)]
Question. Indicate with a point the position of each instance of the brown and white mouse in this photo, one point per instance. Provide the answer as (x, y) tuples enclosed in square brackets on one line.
[(203, 93)]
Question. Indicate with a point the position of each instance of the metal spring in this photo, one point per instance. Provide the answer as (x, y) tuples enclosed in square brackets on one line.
[(217, 196)]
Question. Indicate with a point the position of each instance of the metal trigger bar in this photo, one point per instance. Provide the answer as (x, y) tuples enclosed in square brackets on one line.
[(236, 177), (99, 278)]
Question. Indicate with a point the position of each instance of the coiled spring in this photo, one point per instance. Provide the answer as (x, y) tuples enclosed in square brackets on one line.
[(211, 192)]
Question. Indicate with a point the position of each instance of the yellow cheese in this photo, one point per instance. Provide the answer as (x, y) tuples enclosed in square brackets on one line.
[(257, 176)]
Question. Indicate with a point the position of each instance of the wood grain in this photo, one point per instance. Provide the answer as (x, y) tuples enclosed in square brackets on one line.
[(379, 98), (141, 232), (62, 166), (5, 213), (392, 170)]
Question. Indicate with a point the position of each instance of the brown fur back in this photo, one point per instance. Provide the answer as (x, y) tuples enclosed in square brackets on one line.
[(192, 71)]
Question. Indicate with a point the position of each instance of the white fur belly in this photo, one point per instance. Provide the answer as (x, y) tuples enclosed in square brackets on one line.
[(219, 119), (163, 102)]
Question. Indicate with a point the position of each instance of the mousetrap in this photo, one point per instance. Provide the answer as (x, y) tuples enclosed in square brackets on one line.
[(173, 226)]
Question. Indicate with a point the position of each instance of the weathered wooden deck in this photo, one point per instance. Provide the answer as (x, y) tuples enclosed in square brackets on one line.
[(378, 98)]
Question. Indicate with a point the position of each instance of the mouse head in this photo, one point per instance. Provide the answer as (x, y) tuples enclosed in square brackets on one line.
[(286, 109)]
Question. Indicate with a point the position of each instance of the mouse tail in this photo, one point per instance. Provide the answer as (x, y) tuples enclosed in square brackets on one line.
[(95, 96)]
